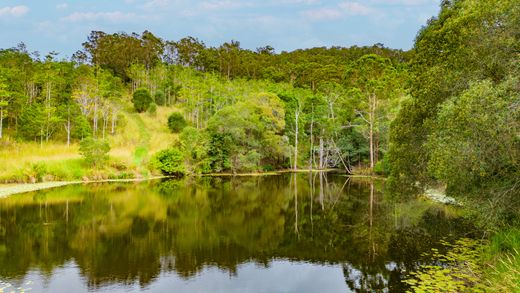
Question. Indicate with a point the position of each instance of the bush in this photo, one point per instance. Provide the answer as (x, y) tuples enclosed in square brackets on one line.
[(160, 98), (382, 167), (169, 162), (152, 110), (142, 100), (94, 151), (176, 122)]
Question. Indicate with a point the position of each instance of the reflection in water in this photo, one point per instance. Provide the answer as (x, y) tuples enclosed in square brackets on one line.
[(119, 235)]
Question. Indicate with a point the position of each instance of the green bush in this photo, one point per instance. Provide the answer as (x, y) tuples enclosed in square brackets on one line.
[(160, 98), (141, 100), (95, 151), (176, 122), (382, 167), (152, 109), (268, 168), (169, 162)]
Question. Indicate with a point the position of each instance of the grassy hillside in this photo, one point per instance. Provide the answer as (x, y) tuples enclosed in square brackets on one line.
[(131, 149)]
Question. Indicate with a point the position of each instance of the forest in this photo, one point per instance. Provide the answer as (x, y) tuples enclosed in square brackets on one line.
[(445, 114)]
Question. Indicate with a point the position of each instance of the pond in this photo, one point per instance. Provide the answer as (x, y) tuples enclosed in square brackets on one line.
[(316, 232)]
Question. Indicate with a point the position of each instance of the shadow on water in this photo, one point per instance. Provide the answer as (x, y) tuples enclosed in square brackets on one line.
[(135, 233)]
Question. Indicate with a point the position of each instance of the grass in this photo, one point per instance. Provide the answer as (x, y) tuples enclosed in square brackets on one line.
[(140, 136), (503, 257)]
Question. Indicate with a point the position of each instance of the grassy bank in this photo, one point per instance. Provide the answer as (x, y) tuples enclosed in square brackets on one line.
[(502, 258)]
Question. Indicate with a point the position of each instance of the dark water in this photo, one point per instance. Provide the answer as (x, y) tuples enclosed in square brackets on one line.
[(286, 233)]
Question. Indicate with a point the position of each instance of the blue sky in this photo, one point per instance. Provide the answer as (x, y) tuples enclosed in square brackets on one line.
[(61, 25)]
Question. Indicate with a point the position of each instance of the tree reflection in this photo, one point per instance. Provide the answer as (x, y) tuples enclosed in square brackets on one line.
[(127, 233)]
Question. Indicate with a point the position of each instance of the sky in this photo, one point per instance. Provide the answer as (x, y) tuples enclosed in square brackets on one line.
[(286, 25)]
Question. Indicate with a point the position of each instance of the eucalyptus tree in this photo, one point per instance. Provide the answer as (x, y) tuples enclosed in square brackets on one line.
[(372, 80)]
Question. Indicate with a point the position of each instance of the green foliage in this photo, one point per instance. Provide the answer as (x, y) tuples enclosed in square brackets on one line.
[(141, 100), (152, 109), (248, 132), (382, 167), (95, 151), (194, 145), (220, 148), (456, 51), (169, 162), (464, 147), (176, 122), (160, 98)]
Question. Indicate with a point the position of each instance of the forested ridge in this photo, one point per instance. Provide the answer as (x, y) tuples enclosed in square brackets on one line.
[(445, 114), (243, 111)]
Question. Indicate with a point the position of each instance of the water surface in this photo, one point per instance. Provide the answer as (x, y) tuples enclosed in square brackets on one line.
[(284, 233)]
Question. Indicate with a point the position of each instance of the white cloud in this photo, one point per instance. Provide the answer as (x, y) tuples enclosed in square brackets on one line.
[(115, 16), (15, 11), (356, 8), (157, 4), (323, 14), (306, 2), (62, 6), (222, 5)]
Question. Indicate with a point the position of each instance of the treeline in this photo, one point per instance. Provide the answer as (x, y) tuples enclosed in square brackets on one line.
[(52, 99), (302, 68), (245, 111)]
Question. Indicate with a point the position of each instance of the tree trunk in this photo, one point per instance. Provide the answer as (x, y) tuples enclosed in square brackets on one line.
[(95, 122), (311, 155), (114, 118), (321, 153), (297, 115), (371, 120), (68, 128)]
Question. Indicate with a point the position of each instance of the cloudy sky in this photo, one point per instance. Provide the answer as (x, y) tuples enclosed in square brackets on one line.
[(61, 25)]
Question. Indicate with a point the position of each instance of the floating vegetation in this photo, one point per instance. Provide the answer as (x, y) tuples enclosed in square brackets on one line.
[(457, 270), (6, 287)]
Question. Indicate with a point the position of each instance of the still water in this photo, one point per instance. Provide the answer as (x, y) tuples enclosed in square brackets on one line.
[(284, 233)]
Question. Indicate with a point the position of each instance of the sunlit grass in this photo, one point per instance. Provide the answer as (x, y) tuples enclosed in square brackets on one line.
[(132, 146), (503, 254)]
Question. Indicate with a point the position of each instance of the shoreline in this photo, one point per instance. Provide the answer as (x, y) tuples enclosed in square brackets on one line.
[(19, 188)]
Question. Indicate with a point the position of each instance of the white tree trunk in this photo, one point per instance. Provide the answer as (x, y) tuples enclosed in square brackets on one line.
[(68, 128), (371, 121), (297, 115), (321, 153)]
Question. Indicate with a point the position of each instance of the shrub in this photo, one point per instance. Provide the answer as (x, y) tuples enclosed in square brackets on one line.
[(169, 162), (141, 100), (268, 168), (94, 151), (152, 110), (382, 167), (160, 98), (176, 122)]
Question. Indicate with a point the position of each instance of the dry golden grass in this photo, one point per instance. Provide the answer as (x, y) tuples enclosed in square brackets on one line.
[(141, 136), (18, 154)]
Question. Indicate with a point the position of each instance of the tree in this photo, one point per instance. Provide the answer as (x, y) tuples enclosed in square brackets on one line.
[(160, 98), (4, 96), (141, 100), (176, 122), (474, 143), (95, 151), (169, 162), (372, 80)]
